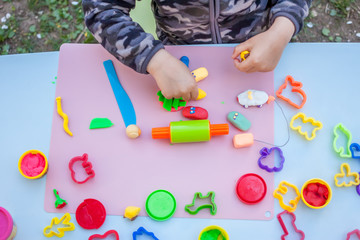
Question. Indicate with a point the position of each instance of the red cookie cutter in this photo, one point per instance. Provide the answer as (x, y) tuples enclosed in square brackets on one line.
[(296, 87), (105, 235), (85, 164), (356, 233), (285, 229)]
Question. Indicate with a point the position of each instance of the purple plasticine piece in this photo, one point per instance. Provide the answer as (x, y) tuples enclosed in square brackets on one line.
[(355, 148), (264, 152)]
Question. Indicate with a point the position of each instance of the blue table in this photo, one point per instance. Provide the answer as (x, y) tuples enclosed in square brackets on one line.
[(331, 77)]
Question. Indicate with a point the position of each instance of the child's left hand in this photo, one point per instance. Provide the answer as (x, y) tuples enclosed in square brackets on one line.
[(265, 48)]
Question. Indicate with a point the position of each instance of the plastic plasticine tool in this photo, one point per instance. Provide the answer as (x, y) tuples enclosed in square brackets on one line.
[(63, 225), (125, 105), (190, 131)]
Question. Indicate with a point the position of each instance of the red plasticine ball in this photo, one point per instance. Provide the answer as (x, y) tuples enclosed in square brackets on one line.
[(90, 214), (316, 194), (251, 188)]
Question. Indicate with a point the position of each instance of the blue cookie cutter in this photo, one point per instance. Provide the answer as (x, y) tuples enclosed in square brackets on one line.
[(354, 147), (265, 152), (142, 231)]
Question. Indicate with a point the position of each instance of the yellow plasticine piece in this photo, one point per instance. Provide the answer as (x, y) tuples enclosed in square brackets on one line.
[(63, 115), (348, 174), (131, 212), (283, 189), (201, 94), (243, 140), (243, 55), (318, 125), (200, 73), (64, 221)]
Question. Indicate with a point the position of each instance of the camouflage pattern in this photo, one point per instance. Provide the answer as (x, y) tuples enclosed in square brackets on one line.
[(184, 22)]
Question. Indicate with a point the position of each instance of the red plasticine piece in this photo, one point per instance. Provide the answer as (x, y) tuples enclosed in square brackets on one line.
[(85, 164), (90, 214), (105, 235), (285, 229), (356, 233), (296, 87), (316, 194), (195, 113)]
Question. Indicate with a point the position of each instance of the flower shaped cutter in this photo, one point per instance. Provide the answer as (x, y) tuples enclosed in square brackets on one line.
[(293, 226), (85, 164), (283, 189), (211, 205), (265, 152), (345, 169), (105, 235), (344, 153), (296, 87), (318, 125), (64, 222), (142, 231)]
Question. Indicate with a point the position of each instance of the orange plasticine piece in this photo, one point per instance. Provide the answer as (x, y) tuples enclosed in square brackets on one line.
[(243, 140)]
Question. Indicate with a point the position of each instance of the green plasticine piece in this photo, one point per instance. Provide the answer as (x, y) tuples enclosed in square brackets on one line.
[(168, 104), (211, 235), (59, 202), (341, 151), (239, 121), (100, 123), (211, 205)]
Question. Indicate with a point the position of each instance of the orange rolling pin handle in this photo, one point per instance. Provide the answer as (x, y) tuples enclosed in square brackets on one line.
[(219, 129), (161, 133)]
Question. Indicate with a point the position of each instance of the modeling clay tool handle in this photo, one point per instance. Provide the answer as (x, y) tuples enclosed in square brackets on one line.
[(125, 105), (190, 131)]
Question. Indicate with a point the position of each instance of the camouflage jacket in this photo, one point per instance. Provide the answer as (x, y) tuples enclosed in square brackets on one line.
[(184, 22)]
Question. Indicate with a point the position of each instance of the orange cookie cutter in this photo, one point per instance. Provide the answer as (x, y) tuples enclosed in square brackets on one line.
[(283, 189), (296, 88), (348, 172), (318, 125)]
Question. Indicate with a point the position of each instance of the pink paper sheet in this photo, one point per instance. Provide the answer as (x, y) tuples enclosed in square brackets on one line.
[(127, 171)]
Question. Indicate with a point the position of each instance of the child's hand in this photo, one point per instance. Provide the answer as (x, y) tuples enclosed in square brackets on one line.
[(265, 48), (172, 76)]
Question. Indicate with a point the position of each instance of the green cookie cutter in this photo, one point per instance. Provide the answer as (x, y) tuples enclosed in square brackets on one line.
[(344, 153), (211, 205)]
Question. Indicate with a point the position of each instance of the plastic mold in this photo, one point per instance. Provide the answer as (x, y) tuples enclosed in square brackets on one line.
[(296, 88), (344, 153), (346, 171), (211, 205), (283, 189), (317, 124)]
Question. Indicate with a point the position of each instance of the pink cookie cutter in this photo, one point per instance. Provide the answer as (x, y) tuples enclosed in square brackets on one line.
[(85, 164), (293, 226)]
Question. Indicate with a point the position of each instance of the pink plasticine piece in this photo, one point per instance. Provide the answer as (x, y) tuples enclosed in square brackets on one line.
[(356, 233), (243, 140)]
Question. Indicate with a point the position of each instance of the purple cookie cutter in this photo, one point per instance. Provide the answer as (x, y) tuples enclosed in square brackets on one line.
[(355, 148), (265, 152)]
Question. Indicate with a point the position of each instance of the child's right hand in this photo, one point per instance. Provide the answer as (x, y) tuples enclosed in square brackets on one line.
[(172, 76)]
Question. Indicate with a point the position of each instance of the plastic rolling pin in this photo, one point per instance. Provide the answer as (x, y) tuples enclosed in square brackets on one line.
[(190, 131)]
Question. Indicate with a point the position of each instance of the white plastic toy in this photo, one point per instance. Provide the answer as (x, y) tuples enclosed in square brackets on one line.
[(254, 98)]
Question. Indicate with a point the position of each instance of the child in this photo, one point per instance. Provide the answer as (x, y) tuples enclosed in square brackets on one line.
[(262, 27)]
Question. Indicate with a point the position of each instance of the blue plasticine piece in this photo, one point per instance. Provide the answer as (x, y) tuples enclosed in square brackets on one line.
[(125, 105), (185, 60), (142, 231)]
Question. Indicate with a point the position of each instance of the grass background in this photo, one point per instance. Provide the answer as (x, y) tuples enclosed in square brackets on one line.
[(43, 25)]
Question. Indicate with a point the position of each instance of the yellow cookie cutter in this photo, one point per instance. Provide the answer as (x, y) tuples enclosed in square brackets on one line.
[(348, 174), (283, 189), (316, 180), (318, 125), (64, 116), (64, 221)]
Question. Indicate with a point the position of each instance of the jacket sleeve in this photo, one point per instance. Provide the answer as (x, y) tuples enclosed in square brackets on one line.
[(111, 25), (295, 10)]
